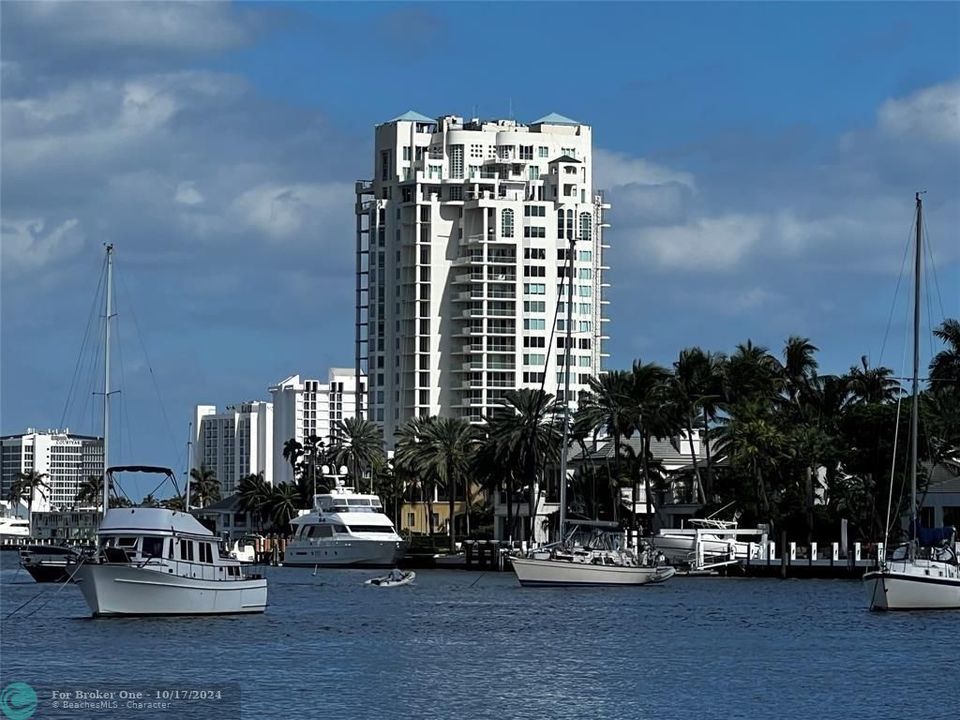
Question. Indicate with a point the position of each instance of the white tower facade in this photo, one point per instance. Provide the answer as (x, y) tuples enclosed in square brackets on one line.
[(463, 242), (303, 407), (234, 443), (65, 458)]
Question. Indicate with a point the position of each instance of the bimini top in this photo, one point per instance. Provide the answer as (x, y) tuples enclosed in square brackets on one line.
[(150, 520)]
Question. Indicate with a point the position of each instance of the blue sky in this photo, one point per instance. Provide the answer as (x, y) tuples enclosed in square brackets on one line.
[(761, 160)]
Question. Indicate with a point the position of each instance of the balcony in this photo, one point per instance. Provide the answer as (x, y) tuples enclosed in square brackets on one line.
[(467, 278)]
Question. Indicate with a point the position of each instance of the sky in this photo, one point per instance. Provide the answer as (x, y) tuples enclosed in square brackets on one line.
[(761, 161)]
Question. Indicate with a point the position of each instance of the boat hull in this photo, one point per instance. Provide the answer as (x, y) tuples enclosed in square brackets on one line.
[(112, 589), (681, 549), (48, 571), (911, 588), (546, 573), (369, 554)]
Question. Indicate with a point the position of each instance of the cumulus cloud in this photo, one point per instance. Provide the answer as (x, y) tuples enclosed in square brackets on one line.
[(146, 26), (29, 245), (284, 212), (931, 113), (709, 243), (187, 194)]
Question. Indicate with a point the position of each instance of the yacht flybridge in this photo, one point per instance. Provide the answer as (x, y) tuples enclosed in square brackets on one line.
[(345, 529), (153, 561)]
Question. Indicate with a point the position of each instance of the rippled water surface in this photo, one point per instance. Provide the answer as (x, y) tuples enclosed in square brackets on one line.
[(470, 645)]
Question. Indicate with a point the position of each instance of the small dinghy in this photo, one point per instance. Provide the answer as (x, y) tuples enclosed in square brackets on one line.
[(393, 579)]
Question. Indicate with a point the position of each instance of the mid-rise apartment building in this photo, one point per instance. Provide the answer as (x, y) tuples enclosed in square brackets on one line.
[(464, 242), (67, 459), (303, 407), (234, 443)]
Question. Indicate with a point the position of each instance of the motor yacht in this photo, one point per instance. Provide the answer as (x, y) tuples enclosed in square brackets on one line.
[(344, 529)]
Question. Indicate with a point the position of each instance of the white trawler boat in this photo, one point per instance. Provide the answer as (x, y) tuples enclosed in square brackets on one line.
[(924, 574), (345, 529), (154, 561)]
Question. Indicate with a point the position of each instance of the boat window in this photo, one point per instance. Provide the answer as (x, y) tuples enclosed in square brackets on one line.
[(206, 552), (324, 531), (126, 542), (376, 503), (186, 550), (341, 529), (370, 529), (152, 547)]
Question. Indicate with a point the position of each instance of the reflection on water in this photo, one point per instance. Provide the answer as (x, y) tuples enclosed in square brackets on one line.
[(455, 646)]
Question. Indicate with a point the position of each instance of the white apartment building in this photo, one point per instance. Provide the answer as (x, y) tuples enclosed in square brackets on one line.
[(463, 242), (234, 443), (65, 458), (305, 407)]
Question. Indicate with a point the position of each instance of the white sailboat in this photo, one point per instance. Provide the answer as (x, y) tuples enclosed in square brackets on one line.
[(154, 561), (602, 560), (917, 577)]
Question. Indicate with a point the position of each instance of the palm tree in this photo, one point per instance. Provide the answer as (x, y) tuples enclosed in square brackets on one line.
[(24, 487), (527, 431), (91, 491), (407, 461), (150, 501), (495, 474), (752, 373), (292, 452), (255, 496), (799, 366), (174, 503), (607, 405), (654, 416), (283, 505), (446, 447), (751, 440), (361, 447), (693, 388), (204, 486), (872, 385), (945, 366)]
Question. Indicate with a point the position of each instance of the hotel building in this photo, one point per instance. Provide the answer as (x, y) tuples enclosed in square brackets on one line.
[(65, 458)]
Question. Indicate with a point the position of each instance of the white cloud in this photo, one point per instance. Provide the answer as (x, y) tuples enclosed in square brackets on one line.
[(709, 243), (27, 247), (932, 113), (169, 26), (105, 121), (283, 212), (612, 169), (187, 194)]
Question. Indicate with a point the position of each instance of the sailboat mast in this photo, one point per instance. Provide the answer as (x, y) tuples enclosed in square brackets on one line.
[(914, 409), (566, 389), (106, 378)]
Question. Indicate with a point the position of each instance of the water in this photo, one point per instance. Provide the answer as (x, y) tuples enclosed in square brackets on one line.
[(465, 645)]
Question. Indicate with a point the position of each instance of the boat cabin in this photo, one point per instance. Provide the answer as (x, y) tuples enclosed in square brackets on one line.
[(167, 541)]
